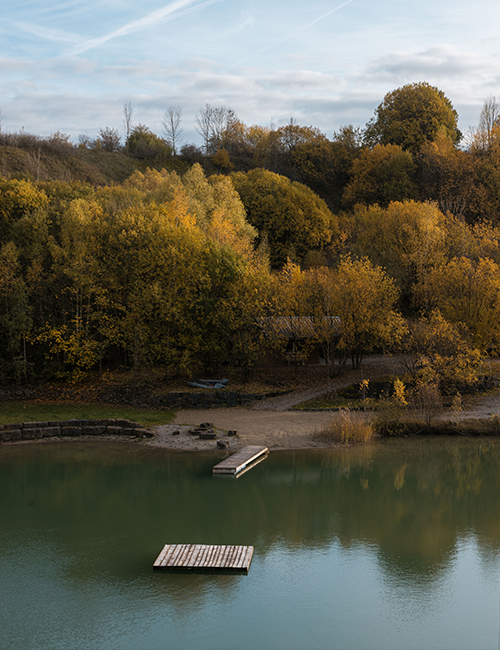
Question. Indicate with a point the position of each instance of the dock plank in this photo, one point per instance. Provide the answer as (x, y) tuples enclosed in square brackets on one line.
[(203, 557), (239, 460)]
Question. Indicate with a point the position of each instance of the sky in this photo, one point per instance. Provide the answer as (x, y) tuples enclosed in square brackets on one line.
[(71, 65)]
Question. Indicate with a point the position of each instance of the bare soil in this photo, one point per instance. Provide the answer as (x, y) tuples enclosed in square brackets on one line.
[(271, 423)]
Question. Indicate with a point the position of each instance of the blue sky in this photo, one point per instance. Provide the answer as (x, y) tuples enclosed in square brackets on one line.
[(70, 65)]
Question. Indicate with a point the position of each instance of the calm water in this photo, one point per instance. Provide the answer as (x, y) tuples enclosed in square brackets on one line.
[(395, 545)]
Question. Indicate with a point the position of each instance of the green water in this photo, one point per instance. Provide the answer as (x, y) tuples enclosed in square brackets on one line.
[(391, 546)]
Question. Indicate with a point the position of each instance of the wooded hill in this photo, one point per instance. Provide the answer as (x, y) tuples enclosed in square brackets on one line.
[(141, 257)]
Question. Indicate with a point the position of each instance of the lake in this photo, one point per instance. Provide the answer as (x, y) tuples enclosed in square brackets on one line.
[(394, 545)]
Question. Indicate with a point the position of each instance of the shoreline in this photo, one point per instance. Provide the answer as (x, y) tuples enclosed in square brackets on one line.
[(277, 430)]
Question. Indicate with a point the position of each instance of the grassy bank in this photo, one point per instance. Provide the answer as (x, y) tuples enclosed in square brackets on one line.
[(12, 412)]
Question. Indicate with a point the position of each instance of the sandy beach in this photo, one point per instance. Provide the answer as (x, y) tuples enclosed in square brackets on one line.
[(276, 429)]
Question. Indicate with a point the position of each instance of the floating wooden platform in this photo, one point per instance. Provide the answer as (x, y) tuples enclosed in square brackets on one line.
[(241, 459), (201, 557)]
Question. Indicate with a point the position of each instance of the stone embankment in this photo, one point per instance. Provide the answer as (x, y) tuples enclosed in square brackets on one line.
[(72, 428), (217, 399)]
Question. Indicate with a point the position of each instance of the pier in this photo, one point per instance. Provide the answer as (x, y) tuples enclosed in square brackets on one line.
[(202, 557), (240, 460)]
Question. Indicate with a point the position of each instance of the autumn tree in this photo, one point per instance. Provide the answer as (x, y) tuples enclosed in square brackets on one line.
[(381, 175), (321, 304), (408, 239), (464, 184), (468, 291), (365, 303), (412, 115), (15, 314), (292, 217), (440, 353)]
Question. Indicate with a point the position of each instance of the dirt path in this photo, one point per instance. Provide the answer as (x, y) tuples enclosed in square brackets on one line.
[(271, 423), (373, 367)]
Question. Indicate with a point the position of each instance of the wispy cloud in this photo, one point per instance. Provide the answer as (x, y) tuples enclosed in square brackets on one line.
[(168, 12), (48, 33), (247, 21), (289, 36)]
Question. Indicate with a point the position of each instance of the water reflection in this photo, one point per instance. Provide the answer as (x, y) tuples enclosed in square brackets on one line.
[(404, 523)]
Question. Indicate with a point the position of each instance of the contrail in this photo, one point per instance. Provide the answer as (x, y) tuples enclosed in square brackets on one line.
[(136, 25), (286, 38)]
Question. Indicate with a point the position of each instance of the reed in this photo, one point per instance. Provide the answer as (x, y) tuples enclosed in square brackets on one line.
[(347, 428)]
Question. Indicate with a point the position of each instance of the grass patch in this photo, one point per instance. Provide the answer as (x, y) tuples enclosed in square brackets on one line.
[(12, 412), (337, 402), (346, 428)]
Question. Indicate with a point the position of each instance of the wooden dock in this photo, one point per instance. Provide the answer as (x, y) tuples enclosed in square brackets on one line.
[(201, 557), (241, 459)]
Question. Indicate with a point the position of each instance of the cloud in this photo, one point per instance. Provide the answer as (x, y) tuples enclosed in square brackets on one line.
[(443, 60), (153, 18), (48, 33)]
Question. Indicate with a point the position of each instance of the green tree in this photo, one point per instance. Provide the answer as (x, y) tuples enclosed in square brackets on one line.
[(412, 115), (292, 217)]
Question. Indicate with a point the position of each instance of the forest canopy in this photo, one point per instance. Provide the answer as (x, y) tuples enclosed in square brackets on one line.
[(161, 255)]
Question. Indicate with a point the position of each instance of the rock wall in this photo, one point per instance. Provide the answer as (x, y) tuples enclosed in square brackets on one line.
[(37, 430), (216, 399)]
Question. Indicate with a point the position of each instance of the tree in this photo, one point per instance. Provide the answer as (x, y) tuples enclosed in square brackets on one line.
[(15, 313), (222, 160), (436, 352), (408, 239), (452, 179), (143, 143), (468, 291), (365, 303), (219, 127), (321, 304), (489, 123), (109, 139), (172, 125), (412, 115), (127, 121), (381, 175), (203, 124), (292, 217)]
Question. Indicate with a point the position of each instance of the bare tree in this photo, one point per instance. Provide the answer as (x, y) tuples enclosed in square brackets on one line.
[(127, 121), (1, 119), (172, 125), (489, 118), (217, 125), (203, 124)]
